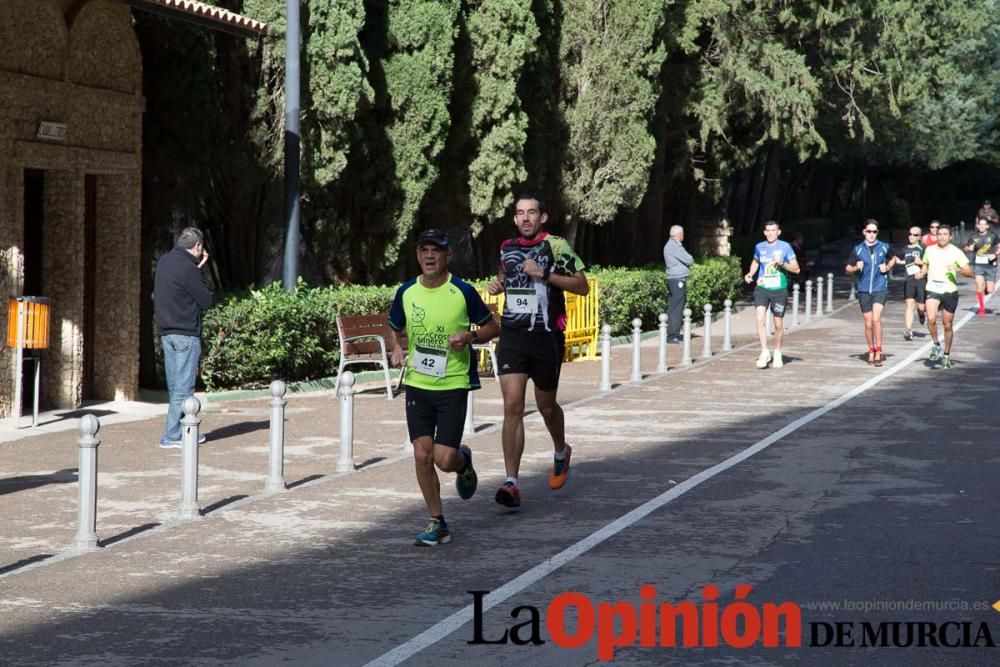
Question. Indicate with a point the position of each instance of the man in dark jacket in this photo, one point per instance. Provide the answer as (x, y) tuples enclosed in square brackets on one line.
[(180, 296)]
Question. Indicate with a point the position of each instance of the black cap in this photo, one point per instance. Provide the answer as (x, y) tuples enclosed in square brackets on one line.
[(987, 203), (435, 236)]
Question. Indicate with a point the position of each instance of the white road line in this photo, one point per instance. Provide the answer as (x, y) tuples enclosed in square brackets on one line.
[(442, 629)]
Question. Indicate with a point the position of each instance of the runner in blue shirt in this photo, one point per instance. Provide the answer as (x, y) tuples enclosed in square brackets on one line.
[(873, 259), (772, 261)]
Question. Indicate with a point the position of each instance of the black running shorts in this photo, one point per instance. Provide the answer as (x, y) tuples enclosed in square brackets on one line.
[(914, 289), (949, 301), (439, 415), (868, 299), (538, 354), (775, 299)]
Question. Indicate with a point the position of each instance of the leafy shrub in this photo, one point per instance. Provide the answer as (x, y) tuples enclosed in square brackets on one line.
[(250, 338), (630, 293)]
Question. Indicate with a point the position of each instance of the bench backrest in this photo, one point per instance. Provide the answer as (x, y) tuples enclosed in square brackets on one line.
[(350, 326)]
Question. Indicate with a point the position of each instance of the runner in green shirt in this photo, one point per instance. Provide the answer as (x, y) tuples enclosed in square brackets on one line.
[(436, 309), (942, 263)]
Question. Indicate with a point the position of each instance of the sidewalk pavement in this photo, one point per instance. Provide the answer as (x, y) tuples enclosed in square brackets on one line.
[(139, 483), (147, 549)]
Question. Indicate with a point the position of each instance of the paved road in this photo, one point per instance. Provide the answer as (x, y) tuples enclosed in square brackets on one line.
[(882, 492)]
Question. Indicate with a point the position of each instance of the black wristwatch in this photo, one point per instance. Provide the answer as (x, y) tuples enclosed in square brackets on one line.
[(545, 274)]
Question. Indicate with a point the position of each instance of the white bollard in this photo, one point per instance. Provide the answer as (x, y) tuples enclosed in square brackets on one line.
[(809, 293), (86, 532), (829, 292), (769, 322), (189, 459), (795, 305), (819, 296), (636, 351), (706, 349), (661, 364), (961, 227), (276, 441), (727, 325), (853, 296), (470, 414), (686, 359), (346, 461), (605, 358)]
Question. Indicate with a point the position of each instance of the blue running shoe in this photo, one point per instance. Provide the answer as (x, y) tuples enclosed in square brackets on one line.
[(466, 480), (434, 534)]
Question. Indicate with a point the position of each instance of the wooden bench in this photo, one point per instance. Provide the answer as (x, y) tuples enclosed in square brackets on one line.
[(363, 341)]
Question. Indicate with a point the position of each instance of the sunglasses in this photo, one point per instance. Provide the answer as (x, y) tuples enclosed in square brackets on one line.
[(914, 233), (871, 231), (934, 226)]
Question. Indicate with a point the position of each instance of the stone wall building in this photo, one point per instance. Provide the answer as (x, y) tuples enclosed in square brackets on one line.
[(71, 110), (70, 153)]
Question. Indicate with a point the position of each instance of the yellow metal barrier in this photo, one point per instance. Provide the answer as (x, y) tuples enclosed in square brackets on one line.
[(582, 321)]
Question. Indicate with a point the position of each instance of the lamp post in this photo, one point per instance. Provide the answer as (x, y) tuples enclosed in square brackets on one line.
[(292, 144)]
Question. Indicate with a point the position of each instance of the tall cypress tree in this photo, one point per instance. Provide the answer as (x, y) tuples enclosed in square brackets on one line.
[(611, 53)]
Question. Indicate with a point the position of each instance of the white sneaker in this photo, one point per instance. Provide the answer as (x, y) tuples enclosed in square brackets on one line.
[(777, 361), (763, 359)]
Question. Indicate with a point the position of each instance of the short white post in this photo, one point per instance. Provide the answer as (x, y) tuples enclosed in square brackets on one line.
[(686, 359), (605, 358), (795, 305), (809, 293), (346, 461), (727, 325), (661, 364), (819, 296), (853, 296), (636, 351), (829, 292), (470, 417), (86, 532), (276, 441), (189, 459), (961, 227), (706, 349), (769, 322)]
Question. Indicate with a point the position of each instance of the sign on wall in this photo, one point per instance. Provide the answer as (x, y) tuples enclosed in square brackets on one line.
[(50, 131)]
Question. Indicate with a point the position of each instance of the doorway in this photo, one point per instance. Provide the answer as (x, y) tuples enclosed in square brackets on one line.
[(89, 283)]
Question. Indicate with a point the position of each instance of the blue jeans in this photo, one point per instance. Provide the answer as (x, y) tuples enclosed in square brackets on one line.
[(180, 359)]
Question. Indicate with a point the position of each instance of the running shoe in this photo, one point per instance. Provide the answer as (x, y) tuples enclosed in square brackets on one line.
[(946, 361), (935, 352), (871, 357), (981, 312), (921, 316), (763, 359), (560, 470), (466, 480), (508, 495), (177, 444), (434, 534), (879, 357), (777, 361), (907, 334)]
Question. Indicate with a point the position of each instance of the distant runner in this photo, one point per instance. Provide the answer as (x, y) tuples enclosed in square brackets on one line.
[(984, 245), (930, 238), (941, 264), (914, 288), (772, 261), (873, 259)]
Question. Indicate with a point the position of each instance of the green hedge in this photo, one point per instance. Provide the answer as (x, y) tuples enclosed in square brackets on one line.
[(250, 338), (630, 293)]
